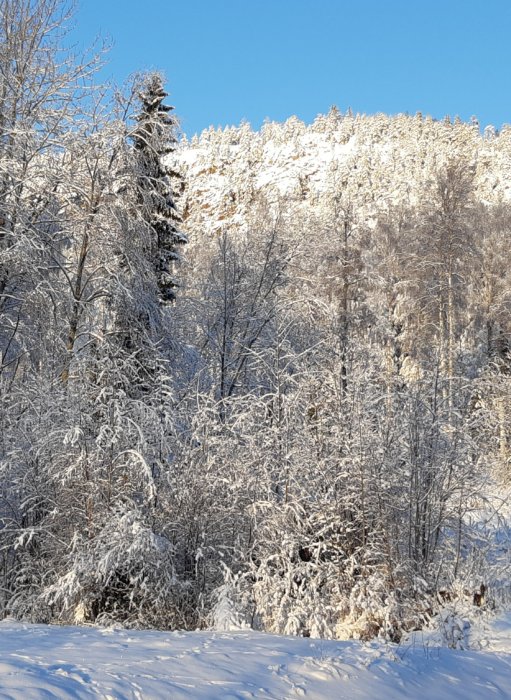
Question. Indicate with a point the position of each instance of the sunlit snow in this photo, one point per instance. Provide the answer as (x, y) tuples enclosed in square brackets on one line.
[(39, 661)]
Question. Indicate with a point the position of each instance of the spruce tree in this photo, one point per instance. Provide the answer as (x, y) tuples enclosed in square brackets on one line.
[(154, 138)]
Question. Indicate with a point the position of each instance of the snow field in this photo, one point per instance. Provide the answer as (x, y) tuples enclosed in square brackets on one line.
[(38, 661)]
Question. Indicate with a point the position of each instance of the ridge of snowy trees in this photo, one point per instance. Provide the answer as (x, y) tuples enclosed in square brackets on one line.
[(303, 427), (370, 423)]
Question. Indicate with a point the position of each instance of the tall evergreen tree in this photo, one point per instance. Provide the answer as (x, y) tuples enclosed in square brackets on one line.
[(154, 138)]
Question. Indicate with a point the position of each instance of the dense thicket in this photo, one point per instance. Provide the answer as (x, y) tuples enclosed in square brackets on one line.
[(305, 426)]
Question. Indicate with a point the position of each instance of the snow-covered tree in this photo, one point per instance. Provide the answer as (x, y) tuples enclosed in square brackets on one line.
[(154, 139)]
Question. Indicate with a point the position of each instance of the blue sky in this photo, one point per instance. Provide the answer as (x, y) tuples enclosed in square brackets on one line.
[(228, 60)]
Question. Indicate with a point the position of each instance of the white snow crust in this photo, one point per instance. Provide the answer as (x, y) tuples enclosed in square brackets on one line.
[(38, 661)]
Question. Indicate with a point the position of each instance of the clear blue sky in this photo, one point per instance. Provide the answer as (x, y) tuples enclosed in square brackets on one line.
[(228, 60)]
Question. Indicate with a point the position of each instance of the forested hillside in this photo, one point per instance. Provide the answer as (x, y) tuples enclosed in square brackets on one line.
[(261, 378), (347, 293)]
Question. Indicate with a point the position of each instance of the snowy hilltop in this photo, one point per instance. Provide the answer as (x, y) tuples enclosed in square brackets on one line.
[(378, 162)]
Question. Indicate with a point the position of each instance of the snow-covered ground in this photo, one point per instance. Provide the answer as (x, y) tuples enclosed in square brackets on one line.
[(38, 661)]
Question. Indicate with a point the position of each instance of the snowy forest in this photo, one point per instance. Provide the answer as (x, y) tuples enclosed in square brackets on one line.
[(255, 378)]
